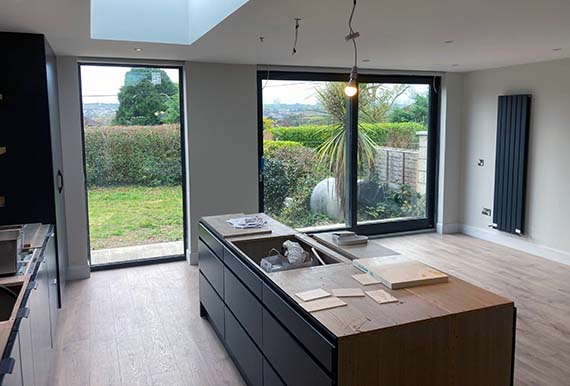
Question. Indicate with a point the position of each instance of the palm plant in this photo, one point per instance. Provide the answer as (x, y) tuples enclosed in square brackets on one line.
[(374, 104)]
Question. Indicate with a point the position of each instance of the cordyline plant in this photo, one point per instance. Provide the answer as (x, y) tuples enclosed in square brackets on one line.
[(375, 102)]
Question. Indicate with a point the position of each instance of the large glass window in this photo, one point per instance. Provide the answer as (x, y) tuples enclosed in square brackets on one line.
[(366, 163)]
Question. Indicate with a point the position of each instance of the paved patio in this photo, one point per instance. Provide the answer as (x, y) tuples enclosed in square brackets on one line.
[(138, 252)]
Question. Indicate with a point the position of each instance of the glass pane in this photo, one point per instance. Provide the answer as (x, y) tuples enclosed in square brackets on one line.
[(303, 147), (392, 156), (133, 161)]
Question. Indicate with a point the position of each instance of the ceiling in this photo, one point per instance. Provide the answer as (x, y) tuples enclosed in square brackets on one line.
[(395, 34)]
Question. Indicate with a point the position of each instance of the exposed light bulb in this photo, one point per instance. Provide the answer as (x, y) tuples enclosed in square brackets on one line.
[(351, 88)]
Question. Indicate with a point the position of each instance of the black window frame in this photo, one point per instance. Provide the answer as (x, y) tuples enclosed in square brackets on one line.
[(351, 220)]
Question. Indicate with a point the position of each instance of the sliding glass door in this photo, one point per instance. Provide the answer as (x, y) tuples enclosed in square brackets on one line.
[(365, 163)]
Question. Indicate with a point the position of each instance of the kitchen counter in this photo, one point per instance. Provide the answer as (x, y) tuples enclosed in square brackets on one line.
[(451, 333), (35, 240)]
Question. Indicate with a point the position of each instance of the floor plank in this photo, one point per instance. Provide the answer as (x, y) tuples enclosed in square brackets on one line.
[(139, 327)]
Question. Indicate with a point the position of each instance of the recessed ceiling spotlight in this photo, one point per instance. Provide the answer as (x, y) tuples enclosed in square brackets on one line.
[(448, 41), (557, 49), (138, 49)]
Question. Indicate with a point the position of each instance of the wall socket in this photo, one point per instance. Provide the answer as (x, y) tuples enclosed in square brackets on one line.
[(481, 162), (486, 212)]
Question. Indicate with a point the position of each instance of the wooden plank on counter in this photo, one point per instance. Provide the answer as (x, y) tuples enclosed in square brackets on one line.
[(35, 234), (397, 272)]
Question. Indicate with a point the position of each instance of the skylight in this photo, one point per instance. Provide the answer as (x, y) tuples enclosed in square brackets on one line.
[(158, 21)]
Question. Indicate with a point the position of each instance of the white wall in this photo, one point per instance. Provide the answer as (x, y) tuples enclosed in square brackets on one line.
[(548, 206), (72, 151), (222, 141), (449, 153), (221, 103)]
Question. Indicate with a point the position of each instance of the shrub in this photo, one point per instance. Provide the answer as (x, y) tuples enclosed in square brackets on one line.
[(275, 185), (401, 135), (142, 155), (269, 147)]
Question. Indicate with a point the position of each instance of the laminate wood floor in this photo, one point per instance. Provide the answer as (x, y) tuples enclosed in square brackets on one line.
[(141, 326)]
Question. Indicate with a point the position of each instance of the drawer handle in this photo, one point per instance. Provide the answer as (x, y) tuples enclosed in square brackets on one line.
[(23, 313), (7, 365)]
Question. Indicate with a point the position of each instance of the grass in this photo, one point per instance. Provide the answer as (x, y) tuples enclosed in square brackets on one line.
[(134, 215)]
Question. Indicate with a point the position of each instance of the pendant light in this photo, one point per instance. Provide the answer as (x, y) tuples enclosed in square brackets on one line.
[(352, 87)]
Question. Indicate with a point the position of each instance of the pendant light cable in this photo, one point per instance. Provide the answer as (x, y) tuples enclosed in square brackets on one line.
[(353, 35), (351, 88), (297, 25)]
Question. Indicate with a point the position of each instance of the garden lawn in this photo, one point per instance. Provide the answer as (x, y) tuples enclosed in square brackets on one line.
[(134, 215)]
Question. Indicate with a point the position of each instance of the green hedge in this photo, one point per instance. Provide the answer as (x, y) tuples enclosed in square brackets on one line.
[(385, 134), (141, 155), (270, 147)]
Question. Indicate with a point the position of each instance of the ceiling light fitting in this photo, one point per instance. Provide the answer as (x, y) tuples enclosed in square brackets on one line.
[(138, 49), (352, 87)]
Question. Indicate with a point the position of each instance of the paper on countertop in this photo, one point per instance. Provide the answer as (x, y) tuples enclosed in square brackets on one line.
[(250, 222)]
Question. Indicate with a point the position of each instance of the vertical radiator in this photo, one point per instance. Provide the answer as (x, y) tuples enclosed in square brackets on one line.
[(511, 163)]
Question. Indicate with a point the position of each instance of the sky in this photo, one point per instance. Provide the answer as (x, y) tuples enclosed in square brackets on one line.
[(101, 84), (290, 92)]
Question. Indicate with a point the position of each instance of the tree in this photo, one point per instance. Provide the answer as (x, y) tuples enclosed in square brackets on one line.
[(374, 103), (145, 96), (416, 112)]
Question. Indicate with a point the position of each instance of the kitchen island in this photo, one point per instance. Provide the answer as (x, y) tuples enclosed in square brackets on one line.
[(452, 333), (29, 308)]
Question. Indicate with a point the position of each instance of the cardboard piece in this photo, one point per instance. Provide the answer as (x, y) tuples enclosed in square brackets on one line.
[(347, 292), (381, 296), (312, 295), (323, 304)]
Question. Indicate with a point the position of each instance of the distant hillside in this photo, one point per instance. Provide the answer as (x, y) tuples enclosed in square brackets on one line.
[(99, 114)]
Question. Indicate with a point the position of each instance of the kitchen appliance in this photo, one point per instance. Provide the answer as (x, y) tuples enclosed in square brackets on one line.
[(10, 245)]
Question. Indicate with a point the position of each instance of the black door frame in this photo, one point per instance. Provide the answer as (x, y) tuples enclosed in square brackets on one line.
[(372, 228), (182, 90)]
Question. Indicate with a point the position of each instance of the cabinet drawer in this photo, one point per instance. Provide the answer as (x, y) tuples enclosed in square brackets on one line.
[(207, 237), (270, 377), (245, 307), (316, 343), (245, 354), (290, 360), (213, 305), (246, 275), (211, 267)]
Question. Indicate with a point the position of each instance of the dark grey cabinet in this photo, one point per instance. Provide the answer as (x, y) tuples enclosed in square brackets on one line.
[(35, 327), (26, 351), (50, 256), (271, 343), (30, 113), (41, 326), (243, 350), (14, 377)]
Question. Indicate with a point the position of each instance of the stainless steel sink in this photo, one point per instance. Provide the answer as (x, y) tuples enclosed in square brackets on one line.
[(8, 297)]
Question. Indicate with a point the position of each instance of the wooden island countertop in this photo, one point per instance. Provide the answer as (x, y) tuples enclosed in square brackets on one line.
[(452, 333)]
